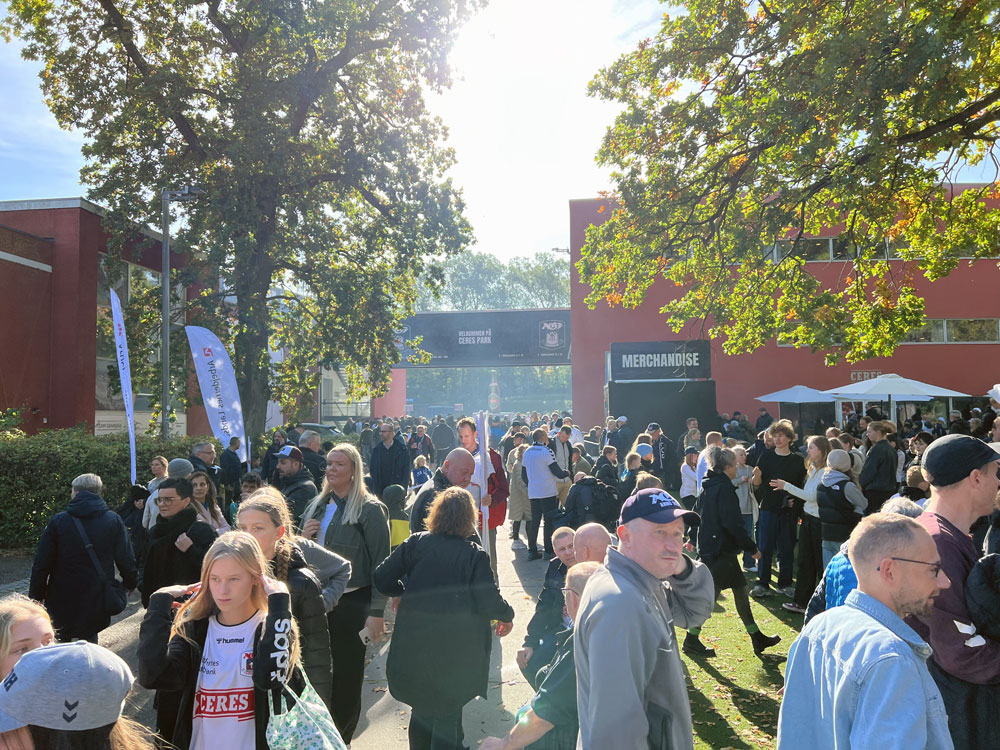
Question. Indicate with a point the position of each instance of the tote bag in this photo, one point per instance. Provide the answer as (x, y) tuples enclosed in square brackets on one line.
[(306, 725)]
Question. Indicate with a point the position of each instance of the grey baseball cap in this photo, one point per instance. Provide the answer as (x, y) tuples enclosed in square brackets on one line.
[(71, 686)]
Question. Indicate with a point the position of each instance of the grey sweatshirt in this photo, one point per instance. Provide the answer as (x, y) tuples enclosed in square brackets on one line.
[(628, 667), (332, 570)]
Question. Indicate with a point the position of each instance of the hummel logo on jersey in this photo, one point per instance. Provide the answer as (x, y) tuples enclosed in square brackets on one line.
[(229, 640)]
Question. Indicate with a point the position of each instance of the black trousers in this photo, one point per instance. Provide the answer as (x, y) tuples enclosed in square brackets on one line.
[(876, 499), (811, 566), (348, 652), (436, 733), (540, 508)]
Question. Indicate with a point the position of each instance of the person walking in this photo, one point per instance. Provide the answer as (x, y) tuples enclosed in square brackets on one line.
[(861, 662), (518, 505), (630, 683), (347, 519), (540, 473), (238, 621), (265, 517), (447, 599), (75, 562), (721, 537), (443, 438), (390, 463), (231, 469)]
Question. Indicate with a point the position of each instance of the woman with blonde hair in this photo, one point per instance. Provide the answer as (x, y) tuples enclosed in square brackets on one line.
[(238, 621), (518, 504), (205, 502), (24, 626), (347, 519), (264, 515), (439, 657), (810, 562)]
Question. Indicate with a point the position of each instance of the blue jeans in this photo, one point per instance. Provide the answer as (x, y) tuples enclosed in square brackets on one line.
[(777, 532), (829, 550), (748, 561)]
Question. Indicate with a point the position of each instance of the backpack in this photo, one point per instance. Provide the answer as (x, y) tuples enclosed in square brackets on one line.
[(605, 503)]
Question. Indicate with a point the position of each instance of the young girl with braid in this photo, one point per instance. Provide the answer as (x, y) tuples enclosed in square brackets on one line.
[(264, 515)]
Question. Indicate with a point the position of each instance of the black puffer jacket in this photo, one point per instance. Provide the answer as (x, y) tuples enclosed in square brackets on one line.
[(309, 611), (299, 490), (721, 531)]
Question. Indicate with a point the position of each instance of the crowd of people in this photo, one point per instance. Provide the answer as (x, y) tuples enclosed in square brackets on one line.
[(264, 585)]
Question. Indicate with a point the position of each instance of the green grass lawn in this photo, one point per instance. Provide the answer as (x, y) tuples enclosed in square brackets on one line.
[(734, 696)]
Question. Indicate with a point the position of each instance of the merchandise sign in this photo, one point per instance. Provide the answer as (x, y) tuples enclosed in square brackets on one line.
[(489, 339), (217, 381), (661, 360), (124, 372)]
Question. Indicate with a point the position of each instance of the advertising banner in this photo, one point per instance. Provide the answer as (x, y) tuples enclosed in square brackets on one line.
[(489, 338), (124, 373), (217, 381)]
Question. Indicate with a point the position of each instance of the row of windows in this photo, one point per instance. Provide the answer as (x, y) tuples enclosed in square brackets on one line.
[(825, 250), (948, 331)]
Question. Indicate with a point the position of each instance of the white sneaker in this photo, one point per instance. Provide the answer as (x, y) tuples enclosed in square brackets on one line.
[(518, 544), (751, 569)]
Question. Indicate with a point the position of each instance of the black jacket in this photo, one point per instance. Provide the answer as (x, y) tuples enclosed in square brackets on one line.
[(315, 463), (422, 503), (389, 465), (214, 472), (63, 576), (269, 464), (582, 503), (172, 664), (231, 468), (836, 513), (309, 611), (299, 490), (548, 617), (879, 471), (443, 437), (166, 565), (721, 531), (439, 656)]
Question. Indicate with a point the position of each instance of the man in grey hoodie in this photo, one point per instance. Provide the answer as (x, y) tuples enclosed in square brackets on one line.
[(630, 685)]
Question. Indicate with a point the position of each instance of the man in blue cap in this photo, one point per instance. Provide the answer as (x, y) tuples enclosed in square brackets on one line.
[(630, 683)]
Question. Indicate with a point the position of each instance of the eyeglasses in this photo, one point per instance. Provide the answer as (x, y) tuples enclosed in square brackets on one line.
[(566, 591), (934, 566), (165, 500)]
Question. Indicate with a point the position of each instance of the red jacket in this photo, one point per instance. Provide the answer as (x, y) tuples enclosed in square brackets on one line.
[(499, 489)]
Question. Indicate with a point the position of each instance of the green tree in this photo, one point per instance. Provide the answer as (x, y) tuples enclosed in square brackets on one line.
[(744, 123), (480, 281), (306, 125)]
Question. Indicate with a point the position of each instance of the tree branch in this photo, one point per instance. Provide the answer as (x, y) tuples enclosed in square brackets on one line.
[(963, 116)]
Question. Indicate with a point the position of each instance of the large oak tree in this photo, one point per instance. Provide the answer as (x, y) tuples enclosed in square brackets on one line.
[(305, 124), (744, 123)]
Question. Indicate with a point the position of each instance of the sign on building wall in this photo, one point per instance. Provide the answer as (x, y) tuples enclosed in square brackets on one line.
[(660, 360), (490, 339)]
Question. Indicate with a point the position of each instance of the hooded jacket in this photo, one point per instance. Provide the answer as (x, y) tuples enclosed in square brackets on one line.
[(63, 576), (298, 489), (166, 565), (722, 531)]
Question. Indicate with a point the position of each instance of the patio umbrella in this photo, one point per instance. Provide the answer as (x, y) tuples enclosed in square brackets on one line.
[(891, 387), (798, 394)]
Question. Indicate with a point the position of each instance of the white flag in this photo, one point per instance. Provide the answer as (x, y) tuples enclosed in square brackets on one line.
[(482, 477), (124, 372), (217, 381)]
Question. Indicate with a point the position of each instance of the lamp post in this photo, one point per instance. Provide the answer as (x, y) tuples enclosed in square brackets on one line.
[(184, 194)]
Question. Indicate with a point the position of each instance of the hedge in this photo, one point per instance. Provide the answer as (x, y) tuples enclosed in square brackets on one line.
[(36, 472)]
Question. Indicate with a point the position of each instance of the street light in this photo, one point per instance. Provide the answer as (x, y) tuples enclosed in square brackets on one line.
[(183, 195)]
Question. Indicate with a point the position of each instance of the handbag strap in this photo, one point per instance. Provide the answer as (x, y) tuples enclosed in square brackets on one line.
[(89, 547)]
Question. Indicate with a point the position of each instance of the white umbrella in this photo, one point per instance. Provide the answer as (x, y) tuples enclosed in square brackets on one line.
[(798, 394), (891, 387)]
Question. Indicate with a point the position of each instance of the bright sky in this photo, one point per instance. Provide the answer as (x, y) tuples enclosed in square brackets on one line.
[(523, 128)]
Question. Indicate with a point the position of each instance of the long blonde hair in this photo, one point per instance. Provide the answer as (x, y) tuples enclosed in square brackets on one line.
[(14, 609), (356, 497), (271, 502)]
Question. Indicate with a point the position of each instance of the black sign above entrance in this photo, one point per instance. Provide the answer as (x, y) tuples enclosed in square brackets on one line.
[(660, 360), (490, 338)]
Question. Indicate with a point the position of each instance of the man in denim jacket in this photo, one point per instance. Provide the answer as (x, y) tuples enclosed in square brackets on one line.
[(857, 675)]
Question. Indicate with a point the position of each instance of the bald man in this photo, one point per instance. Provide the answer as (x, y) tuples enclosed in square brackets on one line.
[(591, 543), (456, 471)]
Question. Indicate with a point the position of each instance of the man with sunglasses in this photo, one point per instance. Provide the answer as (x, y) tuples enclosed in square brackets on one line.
[(857, 675), (964, 476)]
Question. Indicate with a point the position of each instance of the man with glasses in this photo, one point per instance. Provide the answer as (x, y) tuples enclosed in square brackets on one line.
[(390, 463), (202, 458), (857, 675), (964, 477)]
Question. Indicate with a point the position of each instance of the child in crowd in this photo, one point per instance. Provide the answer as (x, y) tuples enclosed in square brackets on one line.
[(420, 471), (249, 484)]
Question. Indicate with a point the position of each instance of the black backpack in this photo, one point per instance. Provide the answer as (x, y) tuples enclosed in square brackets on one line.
[(605, 503)]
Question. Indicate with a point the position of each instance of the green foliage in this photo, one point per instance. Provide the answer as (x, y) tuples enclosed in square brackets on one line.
[(749, 122), (10, 422), (480, 281), (38, 470), (305, 124)]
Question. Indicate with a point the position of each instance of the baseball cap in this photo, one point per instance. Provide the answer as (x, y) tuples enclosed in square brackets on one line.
[(952, 458), (652, 427), (622, 419), (994, 392), (643, 449), (658, 506), (178, 468), (691, 449), (290, 451), (72, 686)]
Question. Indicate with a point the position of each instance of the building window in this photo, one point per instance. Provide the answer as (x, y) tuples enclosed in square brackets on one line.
[(808, 248), (974, 331), (930, 332)]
